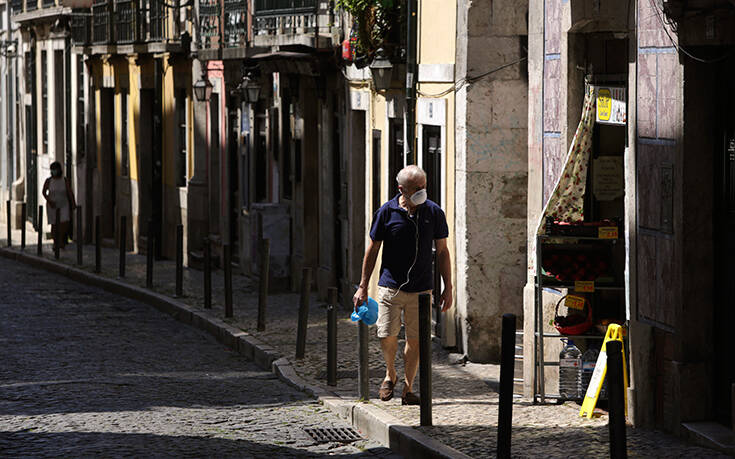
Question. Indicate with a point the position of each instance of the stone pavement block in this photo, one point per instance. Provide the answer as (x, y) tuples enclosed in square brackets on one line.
[(465, 404)]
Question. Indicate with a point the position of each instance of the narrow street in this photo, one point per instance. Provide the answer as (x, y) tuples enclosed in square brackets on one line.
[(84, 373)]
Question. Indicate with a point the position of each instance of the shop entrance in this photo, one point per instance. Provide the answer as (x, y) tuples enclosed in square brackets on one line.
[(432, 160), (724, 247)]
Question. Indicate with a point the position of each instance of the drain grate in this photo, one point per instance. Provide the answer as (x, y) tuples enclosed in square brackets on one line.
[(333, 434)]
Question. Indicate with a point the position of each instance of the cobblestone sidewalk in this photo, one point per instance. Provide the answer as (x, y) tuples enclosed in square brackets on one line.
[(464, 405)]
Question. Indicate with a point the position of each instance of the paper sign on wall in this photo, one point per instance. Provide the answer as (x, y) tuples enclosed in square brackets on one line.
[(611, 105)]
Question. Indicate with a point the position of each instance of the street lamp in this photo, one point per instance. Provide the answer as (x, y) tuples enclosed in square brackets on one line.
[(203, 89), (250, 89), (382, 70)]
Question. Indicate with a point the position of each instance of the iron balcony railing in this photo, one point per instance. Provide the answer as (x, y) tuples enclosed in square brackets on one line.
[(209, 23), (102, 14), (133, 21), (81, 27), (31, 5), (126, 18), (48, 3), (158, 27), (16, 6), (236, 23), (276, 17)]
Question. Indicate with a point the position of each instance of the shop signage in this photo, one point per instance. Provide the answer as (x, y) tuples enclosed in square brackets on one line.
[(574, 302), (607, 232), (611, 105), (584, 286), (608, 181)]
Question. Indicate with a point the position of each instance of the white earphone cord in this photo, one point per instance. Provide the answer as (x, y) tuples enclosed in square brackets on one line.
[(415, 257)]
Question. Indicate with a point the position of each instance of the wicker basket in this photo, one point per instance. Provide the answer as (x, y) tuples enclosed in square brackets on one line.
[(576, 327)]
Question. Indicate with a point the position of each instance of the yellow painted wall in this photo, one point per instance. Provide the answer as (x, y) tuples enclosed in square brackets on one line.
[(133, 117), (437, 31), (437, 36)]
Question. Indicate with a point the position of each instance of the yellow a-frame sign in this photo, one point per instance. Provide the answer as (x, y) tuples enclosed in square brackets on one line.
[(614, 333)]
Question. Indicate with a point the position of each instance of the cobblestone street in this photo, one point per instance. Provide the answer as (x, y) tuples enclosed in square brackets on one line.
[(88, 373), (464, 396)]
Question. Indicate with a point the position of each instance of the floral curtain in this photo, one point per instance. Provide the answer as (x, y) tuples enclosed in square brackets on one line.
[(567, 200)]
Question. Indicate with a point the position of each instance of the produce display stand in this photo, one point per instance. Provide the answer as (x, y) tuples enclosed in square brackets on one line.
[(576, 244)]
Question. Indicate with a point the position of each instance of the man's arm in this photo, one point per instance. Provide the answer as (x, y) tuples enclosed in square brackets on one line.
[(445, 269), (368, 264)]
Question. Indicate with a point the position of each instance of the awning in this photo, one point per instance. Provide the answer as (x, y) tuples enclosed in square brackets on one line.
[(566, 203), (286, 62)]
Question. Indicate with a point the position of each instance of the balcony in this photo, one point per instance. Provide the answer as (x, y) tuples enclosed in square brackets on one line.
[(209, 24), (81, 27), (223, 29), (102, 14), (292, 22), (128, 26), (126, 19), (236, 24), (16, 6)]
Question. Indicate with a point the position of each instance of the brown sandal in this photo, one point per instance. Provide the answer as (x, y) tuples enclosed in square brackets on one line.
[(386, 390)]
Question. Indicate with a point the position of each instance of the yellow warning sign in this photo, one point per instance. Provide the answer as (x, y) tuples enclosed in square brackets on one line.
[(614, 333)]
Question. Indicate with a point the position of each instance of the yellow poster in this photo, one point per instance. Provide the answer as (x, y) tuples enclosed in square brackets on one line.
[(603, 104)]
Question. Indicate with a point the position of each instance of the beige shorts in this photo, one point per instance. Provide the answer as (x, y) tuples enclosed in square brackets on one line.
[(391, 302)]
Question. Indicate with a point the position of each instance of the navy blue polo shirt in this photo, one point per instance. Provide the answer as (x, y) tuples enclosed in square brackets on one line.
[(397, 230)]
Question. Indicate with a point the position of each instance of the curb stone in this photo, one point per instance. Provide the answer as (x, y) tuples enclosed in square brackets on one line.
[(369, 419)]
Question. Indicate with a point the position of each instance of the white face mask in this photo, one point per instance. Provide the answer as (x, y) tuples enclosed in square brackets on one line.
[(418, 197)]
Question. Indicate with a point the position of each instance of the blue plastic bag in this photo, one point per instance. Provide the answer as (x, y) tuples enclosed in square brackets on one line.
[(367, 312)]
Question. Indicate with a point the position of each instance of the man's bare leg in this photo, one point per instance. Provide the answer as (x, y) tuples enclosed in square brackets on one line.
[(389, 346), (411, 358)]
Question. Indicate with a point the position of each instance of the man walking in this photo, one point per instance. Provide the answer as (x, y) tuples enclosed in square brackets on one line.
[(408, 224)]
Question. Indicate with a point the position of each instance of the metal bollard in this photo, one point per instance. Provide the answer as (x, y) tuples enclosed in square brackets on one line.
[(23, 217), (97, 245), (303, 313), (7, 220), (425, 357), (150, 249), (207, 274), (507, 368), (80, 237), (228, 279), (616, 386), (332, 336), (265, 253), (179, 260), (363, 362), (123, 243), (39, 222), (57, 234)]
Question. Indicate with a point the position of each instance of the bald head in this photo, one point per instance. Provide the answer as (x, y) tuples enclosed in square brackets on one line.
[(411, 177)]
